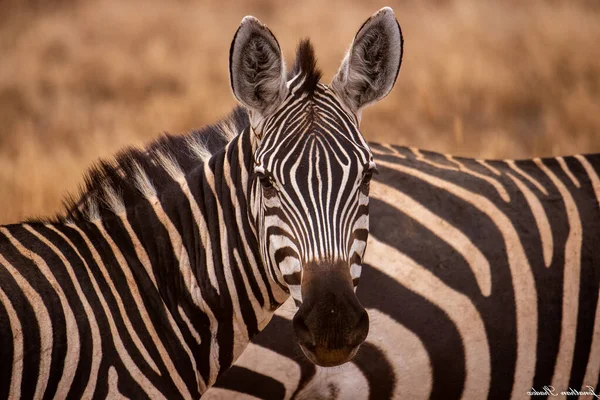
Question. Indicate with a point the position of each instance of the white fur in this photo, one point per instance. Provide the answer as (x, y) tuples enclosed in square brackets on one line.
[(198, 148), (171, 167), (228, 129), (93, 211), (113, 200), (143, 183)]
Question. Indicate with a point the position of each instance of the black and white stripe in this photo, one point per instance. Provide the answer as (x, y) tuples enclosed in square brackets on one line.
[(481, 280), (151, 281), (317, 166)]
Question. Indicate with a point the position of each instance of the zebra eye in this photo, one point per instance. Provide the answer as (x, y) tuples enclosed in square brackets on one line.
[(367, 176), (266, 181)]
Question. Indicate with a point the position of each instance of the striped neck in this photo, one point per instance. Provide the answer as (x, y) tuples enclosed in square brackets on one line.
[(191, 247), (228, 282)]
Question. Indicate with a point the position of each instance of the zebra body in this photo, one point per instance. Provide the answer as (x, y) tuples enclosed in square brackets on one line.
[(128, 292), (481, 280)]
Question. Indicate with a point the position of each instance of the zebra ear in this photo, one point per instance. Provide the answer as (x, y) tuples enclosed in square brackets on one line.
[(370, 68), (256, 68)]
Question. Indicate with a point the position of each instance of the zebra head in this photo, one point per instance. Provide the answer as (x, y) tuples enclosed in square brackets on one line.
[(311, 170)]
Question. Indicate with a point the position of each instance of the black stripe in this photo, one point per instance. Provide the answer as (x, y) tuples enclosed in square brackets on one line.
[(433, 327), (247, 381), (293, 279), (374, 365), (283, 252)]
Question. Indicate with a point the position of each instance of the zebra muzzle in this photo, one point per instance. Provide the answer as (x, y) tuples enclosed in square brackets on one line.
[(331, 324)]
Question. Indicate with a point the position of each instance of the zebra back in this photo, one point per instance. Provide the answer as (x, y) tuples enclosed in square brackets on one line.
[(481, 279)]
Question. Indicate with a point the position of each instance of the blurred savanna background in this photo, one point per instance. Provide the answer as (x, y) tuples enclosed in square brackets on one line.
[(81, 79)]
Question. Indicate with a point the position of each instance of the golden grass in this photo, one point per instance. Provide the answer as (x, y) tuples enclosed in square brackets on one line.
[(79, 80)]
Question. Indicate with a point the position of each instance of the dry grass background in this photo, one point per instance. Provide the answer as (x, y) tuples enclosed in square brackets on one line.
[(81, 79)]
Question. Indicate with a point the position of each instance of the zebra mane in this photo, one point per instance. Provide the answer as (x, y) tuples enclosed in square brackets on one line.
[(306, 66), (140, 173)]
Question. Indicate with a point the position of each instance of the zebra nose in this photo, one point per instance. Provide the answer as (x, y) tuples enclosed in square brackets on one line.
[(331, 323), (332, 347), (330, 336)]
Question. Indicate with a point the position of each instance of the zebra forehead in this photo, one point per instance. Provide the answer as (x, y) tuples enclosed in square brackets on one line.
[(317, 122), (306, 149)]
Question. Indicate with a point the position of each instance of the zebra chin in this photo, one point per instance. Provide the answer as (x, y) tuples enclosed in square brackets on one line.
[(329, 358), (330, 324)]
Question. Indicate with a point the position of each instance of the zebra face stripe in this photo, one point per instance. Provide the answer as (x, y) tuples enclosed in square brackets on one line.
[(312, 169), (310, 198)]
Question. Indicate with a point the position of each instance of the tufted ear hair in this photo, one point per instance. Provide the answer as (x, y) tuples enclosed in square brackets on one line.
[(256, 68), (371, 66)]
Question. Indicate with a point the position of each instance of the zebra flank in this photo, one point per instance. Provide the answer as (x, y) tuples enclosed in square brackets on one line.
[(481, 280)]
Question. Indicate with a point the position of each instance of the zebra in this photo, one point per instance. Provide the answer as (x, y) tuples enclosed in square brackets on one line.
[(481, 280), (171, 258)]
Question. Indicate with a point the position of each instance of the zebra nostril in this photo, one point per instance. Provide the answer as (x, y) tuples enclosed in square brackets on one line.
[(360, 331), (303, 333)]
